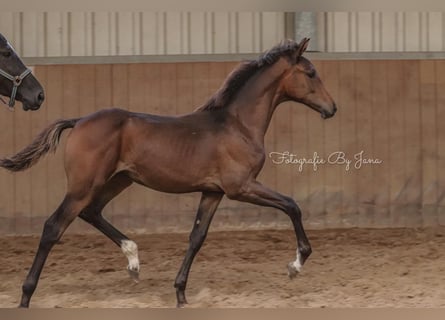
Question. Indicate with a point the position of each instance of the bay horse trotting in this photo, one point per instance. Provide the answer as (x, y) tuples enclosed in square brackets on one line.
[(221, 144), (16, 80)]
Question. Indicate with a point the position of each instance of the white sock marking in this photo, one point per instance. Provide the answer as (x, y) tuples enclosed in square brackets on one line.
[(130, 249), (297, 263)]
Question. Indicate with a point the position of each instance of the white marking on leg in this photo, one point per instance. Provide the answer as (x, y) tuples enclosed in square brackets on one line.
[(130, 249), (297, 263)]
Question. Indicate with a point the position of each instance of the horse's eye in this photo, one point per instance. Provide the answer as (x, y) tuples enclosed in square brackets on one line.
[(6, 53), (311, 74)]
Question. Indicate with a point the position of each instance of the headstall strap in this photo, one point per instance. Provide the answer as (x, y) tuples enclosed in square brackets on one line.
[(16, 81)]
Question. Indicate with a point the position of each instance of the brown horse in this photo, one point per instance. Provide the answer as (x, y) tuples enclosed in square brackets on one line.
[(221, 145), (16, 80)]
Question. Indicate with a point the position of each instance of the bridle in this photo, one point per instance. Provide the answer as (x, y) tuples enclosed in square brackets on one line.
[(16, 81)]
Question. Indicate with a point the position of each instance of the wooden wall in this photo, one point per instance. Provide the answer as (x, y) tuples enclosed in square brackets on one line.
[(108, 33), (392, 110)]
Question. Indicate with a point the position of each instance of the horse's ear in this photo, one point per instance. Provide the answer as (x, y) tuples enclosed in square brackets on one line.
[(302, 47)]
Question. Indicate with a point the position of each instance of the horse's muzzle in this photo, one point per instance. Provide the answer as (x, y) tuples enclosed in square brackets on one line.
[(36, 103), (327, 115)]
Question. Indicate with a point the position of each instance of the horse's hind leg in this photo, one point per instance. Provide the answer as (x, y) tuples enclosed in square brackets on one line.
[(207, 207), (93, 215), (52, 232), (128, 247)]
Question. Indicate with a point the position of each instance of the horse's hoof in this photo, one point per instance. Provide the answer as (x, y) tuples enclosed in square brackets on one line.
[(292, 272), (182, 304), (134, 275), (181, 301)]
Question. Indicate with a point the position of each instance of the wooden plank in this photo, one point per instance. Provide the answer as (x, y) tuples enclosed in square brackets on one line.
[(70, 109), (380, 135), (198, 32), (39, 173), (217, 75), (299, 147), (7, 179), (168, 105), (332, 180), (339, 39), (412, 142), (364, 172), (200, 85), (120, 98), (55, 34), (429, 141), (153, 205), (221, 35), (150, 34), (316, 183), (54, 103), (103, 34), (85, 101), (87, 81), (125, 34), (412, 34), (435, 31), (396, 142), (71, 91), (348, 142), (184, 93), (272, 29), (440, 102), (30, 43), (136, 103), (364, 30), (172, 33), (7, 25), (136, 87), (78, 34), (389, 31), (282, 120), (22, 194), (245, 32), (389, 109), (103, 84)]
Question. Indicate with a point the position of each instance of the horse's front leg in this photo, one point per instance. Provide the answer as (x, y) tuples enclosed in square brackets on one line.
[(207, 207), (256, 193)]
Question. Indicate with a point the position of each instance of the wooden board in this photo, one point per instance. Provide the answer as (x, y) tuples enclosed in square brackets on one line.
[(390, 109)]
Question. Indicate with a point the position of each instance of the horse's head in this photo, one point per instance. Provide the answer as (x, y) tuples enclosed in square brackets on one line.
[(16, 80), (301, 83)]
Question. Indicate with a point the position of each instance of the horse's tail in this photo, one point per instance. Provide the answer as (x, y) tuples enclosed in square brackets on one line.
[(46, 141)]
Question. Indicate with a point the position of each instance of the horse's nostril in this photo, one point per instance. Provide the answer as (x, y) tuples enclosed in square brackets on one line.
[(41, 97)]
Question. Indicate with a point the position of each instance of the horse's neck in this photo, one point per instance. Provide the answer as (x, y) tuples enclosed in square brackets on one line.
[(255, 103)]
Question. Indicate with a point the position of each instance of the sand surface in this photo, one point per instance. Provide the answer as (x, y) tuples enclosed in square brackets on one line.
[(348, 268)]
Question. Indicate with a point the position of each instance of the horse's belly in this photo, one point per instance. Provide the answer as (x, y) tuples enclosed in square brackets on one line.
[(174, 179)]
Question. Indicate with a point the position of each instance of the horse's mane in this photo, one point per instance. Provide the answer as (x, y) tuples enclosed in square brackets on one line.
[(239, 76)]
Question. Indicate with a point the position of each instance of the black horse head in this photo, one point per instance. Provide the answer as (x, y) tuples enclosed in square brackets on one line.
[(16, 80)]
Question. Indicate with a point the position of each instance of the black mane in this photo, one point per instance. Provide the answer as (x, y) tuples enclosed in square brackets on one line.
[(238, 77)]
